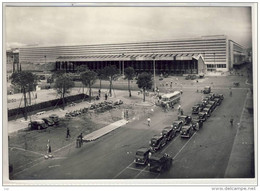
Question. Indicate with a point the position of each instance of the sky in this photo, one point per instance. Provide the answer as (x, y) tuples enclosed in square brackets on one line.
[(46, 26)]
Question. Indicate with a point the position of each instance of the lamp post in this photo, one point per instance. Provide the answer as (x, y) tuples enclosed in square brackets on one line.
[(154, 84)]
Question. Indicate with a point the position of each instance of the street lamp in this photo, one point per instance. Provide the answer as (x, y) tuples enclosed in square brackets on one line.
[(154, 84)]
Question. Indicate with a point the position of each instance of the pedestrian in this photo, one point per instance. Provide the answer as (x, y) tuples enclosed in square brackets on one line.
[(99, 93), (48, 147), (167, 107), (181, 111), (230, 93), (181, 91), (35, 95), (80, 137), (148, 121), (68, 133), (231, 121), (105, 96)]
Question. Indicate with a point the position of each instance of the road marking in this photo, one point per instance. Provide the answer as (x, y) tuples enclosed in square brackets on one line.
[(184, 146), (140, 172), (123, 170), (21, 149), (57, 165), (134, 169)]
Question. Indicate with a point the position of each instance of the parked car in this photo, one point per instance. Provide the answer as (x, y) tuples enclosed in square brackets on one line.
[(218, 101), (207, 90), (213, 103), (188, 77), (205, 101), (207, 111), (203, 116), (193, 77), (195, 109), (197, 123), (210, 107), (37, 125), (219, 96), (157, 142), (177, 125), (142, 156), (55, 118), (187, 131), (185, 118), (48, 121), (168, 133), (160, 162)]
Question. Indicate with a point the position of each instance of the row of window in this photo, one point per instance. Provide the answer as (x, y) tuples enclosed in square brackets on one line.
[(216, 65)]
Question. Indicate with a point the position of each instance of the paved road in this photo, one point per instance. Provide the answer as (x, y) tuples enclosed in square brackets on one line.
[(205, 155)]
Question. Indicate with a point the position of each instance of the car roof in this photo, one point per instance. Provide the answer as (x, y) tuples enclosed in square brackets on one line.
[(167, 128), (186, 126), (38, 121), (143, 149), (156, 156), (53, 115)]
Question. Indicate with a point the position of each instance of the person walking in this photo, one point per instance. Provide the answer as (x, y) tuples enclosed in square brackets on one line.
[(80, 138), (148, 121), (105, 96), (68, 133), (231, 121)]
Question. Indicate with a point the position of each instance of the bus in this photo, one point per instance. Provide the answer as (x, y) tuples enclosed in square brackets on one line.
[(171, 98)]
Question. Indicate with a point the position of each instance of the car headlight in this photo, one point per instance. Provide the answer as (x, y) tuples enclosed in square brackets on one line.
[(149, 164)]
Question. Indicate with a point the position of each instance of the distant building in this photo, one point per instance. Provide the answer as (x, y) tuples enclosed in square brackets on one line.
[(12, 59), (182, 56)]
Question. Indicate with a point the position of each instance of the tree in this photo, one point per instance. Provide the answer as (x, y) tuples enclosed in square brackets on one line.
[(129, 75), (110, 72), (50, 80), (63, 84), (88, 78), (144, 81), (25, 81), (100, 76), (81, 68)]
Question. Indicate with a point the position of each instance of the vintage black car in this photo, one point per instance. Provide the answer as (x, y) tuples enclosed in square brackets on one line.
[(142, 156), (187, 131), (160, 162), (55, 118), (207, 90), (177, 125), (169, 133), (185, 118), (218, 101), (48, 121), (207, 111), (197, 123), (157, 142), (205, 100), (203, 116), (219, 96), (37, 125), (213, 103), (195, 109), (210, 107)]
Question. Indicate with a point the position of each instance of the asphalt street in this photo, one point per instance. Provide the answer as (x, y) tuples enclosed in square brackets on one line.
[(204, 155)]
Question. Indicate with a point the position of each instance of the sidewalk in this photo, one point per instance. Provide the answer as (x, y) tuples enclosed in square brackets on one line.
[(105, 130), (241, 161)]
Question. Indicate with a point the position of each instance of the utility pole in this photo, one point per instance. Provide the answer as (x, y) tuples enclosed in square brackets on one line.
[(123, 67), (154, 84)]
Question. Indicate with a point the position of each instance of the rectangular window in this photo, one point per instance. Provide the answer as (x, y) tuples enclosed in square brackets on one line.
[(221, 66)]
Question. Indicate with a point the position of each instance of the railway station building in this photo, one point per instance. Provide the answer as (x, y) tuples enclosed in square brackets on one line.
[(181, 56)]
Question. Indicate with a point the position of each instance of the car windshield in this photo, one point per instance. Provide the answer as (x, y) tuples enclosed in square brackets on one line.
[(139, 153)]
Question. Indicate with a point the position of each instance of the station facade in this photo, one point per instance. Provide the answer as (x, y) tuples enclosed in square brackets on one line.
[(182, 56)]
